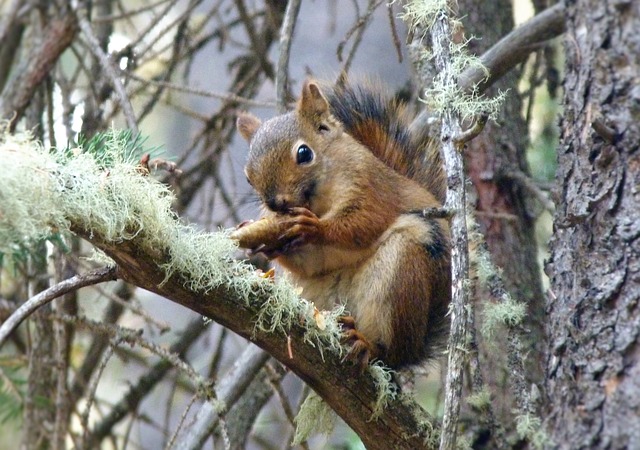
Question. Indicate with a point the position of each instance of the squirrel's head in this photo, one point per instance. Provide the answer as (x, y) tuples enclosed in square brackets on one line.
[(288, 153)]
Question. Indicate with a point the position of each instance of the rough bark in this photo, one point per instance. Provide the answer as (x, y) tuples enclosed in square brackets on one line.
[(593, 369)]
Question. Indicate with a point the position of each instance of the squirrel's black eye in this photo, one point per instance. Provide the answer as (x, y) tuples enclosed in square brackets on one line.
[(304, 155)]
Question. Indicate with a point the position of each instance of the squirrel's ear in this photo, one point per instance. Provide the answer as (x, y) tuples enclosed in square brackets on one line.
[(247, 124), (312, 103)]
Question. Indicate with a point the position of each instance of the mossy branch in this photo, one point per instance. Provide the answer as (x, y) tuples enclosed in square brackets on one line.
[(106, 199), (434, 18)]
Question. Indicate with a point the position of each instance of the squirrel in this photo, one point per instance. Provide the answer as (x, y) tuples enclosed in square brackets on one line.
[(344, 180)]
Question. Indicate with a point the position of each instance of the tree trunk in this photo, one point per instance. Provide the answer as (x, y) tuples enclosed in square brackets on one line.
[(593, 366), (502, 205)]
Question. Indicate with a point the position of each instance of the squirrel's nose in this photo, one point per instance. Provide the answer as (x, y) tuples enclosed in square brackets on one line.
[(279, 203)]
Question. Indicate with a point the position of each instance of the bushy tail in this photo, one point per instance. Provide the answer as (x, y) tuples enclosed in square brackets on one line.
[(381, 123)]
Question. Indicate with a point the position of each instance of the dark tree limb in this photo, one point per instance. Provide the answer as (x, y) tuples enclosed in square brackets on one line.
[(352, 396), (56, 38), (514, 48)]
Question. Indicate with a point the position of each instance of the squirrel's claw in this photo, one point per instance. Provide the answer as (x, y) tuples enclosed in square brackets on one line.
[(347, 322), (361, 351), (303, 227), (280, 234)]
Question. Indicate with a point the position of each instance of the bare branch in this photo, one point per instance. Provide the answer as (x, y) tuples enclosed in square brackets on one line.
[(8, 16), (145, 384), (359, 28), (257, 44), (286, 35), (17, 93), (228, 391), (44, 297), (227, 96), (105, 62), (514, 48)]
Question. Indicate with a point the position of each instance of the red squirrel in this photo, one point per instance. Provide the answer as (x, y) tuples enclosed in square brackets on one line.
[(344, 180)]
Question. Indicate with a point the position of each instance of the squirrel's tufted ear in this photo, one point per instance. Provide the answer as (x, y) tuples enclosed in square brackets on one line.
[(312, 103), (247, 124)]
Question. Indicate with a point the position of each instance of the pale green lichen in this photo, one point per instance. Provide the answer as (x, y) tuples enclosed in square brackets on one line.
[(444, 94), (386, 387), (529, 427), (314, 417), (481, 399), (100, 258), (505, 312), (425, 424), (103, 191), (423, 14)]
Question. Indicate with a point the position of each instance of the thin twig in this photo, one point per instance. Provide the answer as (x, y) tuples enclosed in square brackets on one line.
[(63, 336), (44, 297), (182, 419), (128, 14), (359, 28), (93, 386), (286, 36), (467, 135), (257, 44), (436, 213), (274, 380), (135, 308), (394, 31), (109, 70), (137, 392), (224, 433), (112, 313), (228, 391), (201, 92)]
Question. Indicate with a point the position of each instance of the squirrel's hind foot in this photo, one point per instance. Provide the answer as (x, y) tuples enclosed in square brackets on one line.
[(361, 351)]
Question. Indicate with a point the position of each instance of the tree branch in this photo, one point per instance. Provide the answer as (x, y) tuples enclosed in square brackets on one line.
[(144, 385), (94, 47), (353, 396), (282, 71), (36, 66), (228, 391), (44, 297), (514, 48)]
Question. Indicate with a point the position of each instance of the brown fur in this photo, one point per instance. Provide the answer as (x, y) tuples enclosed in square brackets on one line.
[(352, 234)]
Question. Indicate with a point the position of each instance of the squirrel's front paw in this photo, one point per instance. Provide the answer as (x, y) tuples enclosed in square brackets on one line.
[(301, 227), (251, 235)]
